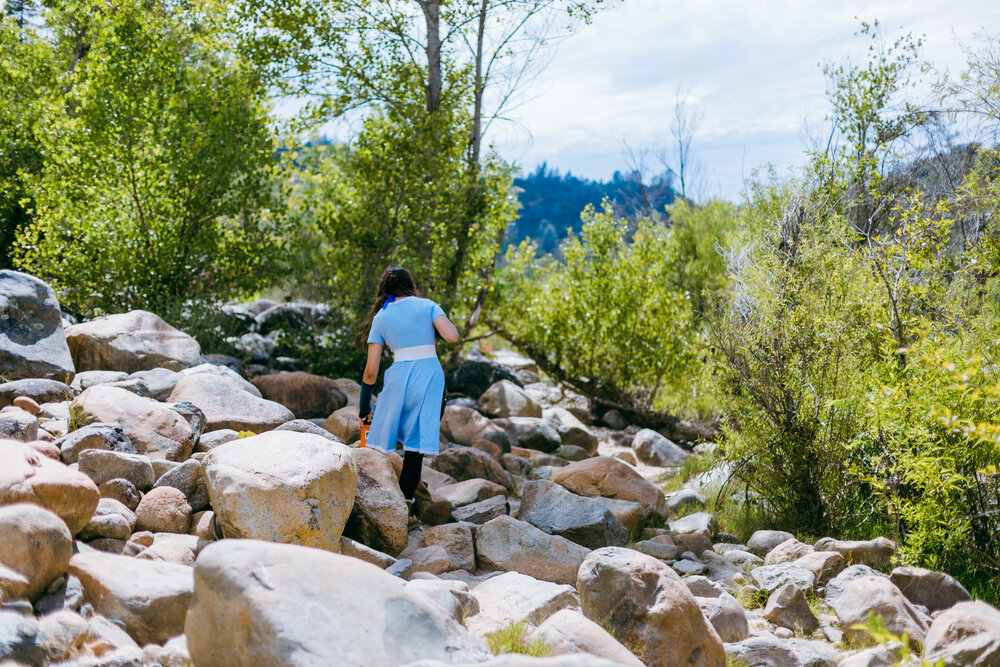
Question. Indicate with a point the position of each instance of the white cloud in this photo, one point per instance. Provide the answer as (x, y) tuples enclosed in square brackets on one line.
[(752, 67)]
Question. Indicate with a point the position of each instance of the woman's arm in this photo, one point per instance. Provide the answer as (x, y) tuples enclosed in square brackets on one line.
[(371, 367), (444, 327)]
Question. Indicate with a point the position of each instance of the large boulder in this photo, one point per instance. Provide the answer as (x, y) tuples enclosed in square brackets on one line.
[(379, 516), (876, 553), (788, 608), (506, 399), (130, 342), (608, 477), (964, 628), (38, 390), (762, 541), (877, 595), (152, 427), (305, 394), (517, 598), (836, 586), (32, 341), (35, 543), (464, 426), (465, 463), (510, 545), (569, 632), (104, 465), (257, 603), (530, 433), (455, 539), (583, 520), (474, 377), (149, 598), (282, 486), (934, 590), (654, 449), (470, 491), (343, 424), (642, 602), (28, 477), (227, 405)]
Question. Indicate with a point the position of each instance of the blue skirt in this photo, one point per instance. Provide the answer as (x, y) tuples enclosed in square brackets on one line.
[(408, 409)]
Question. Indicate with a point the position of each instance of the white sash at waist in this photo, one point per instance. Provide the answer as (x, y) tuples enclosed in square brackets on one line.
[(414, 353)]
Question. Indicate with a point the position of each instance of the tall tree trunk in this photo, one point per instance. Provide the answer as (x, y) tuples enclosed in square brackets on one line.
[(432, 19), (476, 139)]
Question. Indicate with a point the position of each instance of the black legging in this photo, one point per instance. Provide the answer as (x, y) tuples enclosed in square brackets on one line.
[(409, 479)]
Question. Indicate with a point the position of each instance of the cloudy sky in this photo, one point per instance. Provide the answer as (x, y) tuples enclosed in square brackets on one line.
[(750, 68)]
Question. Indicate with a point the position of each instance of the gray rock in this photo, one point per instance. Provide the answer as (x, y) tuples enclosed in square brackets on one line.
[(788, 608), (517, 598), (865, 596), (452, 597), (835, 586), (572, 453), (933, 590), (768, 651), (741, 558), (32, 340), (212, 439), (654, 449), (658, 549), (685, 499), (87, 379), (189, 480), (19, 635), (159, 381), (464, 463), (306, 426), (772, 577), (702, 587), (101, 466), (688, 566), (614, 419), (470, 491), (726, 616), (506, 399), (39, 390), (129, 342), (530, 433), (876, 553), (558, 512), (571, 430), (109, 437), (192, 415), (18, 424), (260, 603), (483, 511), (504, 543), (763, 541), (701, 523)]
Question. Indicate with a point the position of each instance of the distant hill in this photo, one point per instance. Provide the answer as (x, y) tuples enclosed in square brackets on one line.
[(552, 202)]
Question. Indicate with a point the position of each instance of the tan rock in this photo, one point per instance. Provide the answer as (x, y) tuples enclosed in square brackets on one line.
[(934, 590), (343, 423), (27, 404), (874, 553), (464, 426), (152, 427), (603, 476), (35, 543), (569, 632), (130, 342), (960, 623), (506, 399), (643, 602), (281, 605), (787, 551), (27, 476), (226, 405), (517, 598), (470, 491), (282, 486), (305, 394), (877, 595), (504, 543), (824, 564), (349, 388), (202, 525), (379, 516), (149, 598), (164, 510)]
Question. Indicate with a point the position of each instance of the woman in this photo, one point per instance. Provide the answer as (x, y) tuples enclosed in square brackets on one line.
[(409, 406)]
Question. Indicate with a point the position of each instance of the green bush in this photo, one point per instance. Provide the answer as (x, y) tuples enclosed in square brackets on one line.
[(157, 183)]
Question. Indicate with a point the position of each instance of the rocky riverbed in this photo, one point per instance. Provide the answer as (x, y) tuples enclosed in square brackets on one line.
[(162, 507)]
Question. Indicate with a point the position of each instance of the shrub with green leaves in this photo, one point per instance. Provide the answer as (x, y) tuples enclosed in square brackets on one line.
[(605, 316), (157, 183)]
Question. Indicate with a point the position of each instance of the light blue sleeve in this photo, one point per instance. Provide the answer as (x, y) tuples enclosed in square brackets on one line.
[(436, 311), (376, 335)]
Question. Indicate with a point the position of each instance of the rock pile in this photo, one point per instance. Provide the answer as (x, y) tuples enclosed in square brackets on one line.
[(130, 464)]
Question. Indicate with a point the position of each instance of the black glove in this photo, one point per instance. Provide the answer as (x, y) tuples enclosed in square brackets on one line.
[(365, 403)]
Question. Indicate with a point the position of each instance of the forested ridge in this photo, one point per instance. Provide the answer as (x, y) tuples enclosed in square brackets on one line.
[(834, 332)]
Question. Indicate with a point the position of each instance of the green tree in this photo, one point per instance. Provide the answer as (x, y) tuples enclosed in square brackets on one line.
[(26, 67), (157, 184)]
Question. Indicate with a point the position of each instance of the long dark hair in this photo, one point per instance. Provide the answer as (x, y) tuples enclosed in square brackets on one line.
[(395, 281)]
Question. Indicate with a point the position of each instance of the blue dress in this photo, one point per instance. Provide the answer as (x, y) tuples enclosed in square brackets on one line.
[(408, 409)]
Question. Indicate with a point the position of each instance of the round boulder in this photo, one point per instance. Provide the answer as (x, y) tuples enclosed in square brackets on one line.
[(35, 543), (164, 510)]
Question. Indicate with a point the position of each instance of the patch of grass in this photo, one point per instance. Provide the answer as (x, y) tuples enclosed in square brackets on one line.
[(513, 639), (695, 465), (75, 418)]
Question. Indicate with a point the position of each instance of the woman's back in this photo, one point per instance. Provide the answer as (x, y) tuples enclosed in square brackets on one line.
[(406, 322)]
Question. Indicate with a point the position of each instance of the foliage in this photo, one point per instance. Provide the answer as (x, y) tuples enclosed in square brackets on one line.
[(700, 234), (26, 66), (400, 195), (898, 646), (514, 639), (606, 318), (157, 182)]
